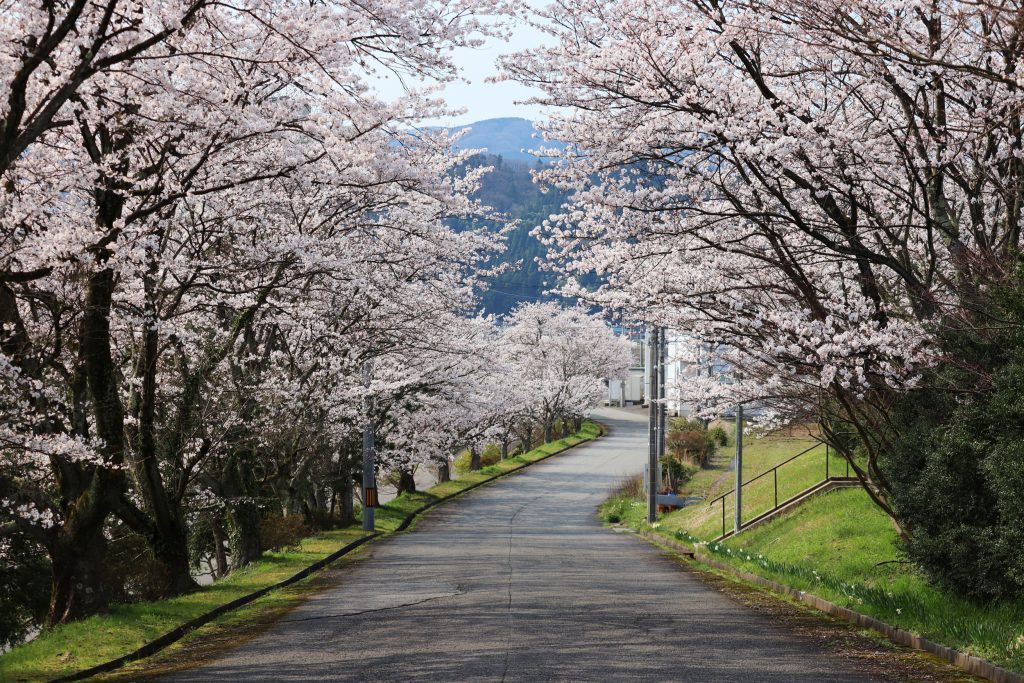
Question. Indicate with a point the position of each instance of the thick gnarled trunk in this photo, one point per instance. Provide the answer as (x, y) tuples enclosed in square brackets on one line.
[(167, 533), (79, 587), (243, 521), (406, 482), (78, 554)]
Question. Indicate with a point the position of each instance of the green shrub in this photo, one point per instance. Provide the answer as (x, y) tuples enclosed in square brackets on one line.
[(956, 465), (690, 441), (719, 436), (614, 510), (461, 462), (24, 589), (282, 533), (678, 473), (490, 454)]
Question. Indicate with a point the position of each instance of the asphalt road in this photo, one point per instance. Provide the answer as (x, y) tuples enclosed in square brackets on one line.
[(519, 581)]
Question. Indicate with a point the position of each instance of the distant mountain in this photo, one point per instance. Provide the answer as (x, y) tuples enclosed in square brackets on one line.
[(509, 138), (509, 189)]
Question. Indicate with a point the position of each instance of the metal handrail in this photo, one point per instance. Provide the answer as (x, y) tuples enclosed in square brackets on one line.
[(775, 472), (751, 481)]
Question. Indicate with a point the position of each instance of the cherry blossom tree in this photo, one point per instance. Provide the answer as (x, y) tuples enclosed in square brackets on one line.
[(817, 186), (180, 181), (562, 358)]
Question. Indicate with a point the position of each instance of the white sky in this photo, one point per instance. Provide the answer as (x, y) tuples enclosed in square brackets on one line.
[(484, 100), (480, 99)]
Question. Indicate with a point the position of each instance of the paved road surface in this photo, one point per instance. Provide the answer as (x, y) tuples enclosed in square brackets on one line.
[(518, 581)]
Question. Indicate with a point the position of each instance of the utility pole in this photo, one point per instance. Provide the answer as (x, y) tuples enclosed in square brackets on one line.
[(653, 469), (369, 464), (739, 468), (662, 405)]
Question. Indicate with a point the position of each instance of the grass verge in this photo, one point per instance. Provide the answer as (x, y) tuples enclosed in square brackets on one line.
[(80, 645), (841, 547), (759, 455)]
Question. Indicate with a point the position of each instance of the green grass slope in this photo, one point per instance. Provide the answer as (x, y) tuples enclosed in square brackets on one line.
[(759, 455), (841, 547)]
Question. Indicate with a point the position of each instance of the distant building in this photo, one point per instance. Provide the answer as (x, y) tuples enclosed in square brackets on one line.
[(688, 358), (629, 391)]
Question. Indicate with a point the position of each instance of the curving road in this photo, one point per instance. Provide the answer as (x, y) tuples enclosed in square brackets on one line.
[(519, 581)]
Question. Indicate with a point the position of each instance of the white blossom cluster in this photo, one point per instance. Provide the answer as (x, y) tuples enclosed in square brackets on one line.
[(810, 184), (209, 225)]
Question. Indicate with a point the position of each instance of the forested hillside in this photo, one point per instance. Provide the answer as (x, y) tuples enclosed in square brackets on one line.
[(509, 189)]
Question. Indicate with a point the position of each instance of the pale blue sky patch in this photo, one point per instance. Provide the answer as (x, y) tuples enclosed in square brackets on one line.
[(480, 99)]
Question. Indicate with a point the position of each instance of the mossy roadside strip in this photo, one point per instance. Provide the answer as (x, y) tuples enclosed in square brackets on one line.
[(125, 634)]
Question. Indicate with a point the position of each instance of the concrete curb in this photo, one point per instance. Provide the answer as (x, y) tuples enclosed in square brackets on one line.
[(963, 661), (658, 539), (179, 632), (182, 630)]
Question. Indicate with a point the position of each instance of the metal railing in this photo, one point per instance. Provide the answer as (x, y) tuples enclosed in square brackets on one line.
[(774, 471)]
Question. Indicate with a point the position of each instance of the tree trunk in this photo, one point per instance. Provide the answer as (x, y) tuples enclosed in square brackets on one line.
[(78, 551), (243, 514), (549, 430), (406, 482), (348, 502), (78, 563), (474, 459), (504, 448), (577, 424), (444, 473), (220, 556), (170, 548), (565, 427), (244, 533)]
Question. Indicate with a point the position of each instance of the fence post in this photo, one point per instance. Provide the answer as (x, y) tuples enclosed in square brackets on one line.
[(776, 473)]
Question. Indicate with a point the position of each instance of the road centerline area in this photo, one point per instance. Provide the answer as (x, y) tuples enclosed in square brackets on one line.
[(519, 581)]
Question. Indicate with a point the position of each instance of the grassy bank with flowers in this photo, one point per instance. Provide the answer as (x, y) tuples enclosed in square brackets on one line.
[(841, 547), (83, 644)]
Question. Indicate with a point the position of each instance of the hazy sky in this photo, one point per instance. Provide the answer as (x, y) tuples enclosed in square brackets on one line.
[(483, 100)]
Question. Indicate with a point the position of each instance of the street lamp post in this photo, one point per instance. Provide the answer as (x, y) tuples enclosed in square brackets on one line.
[(739, 469), (662, 404)]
